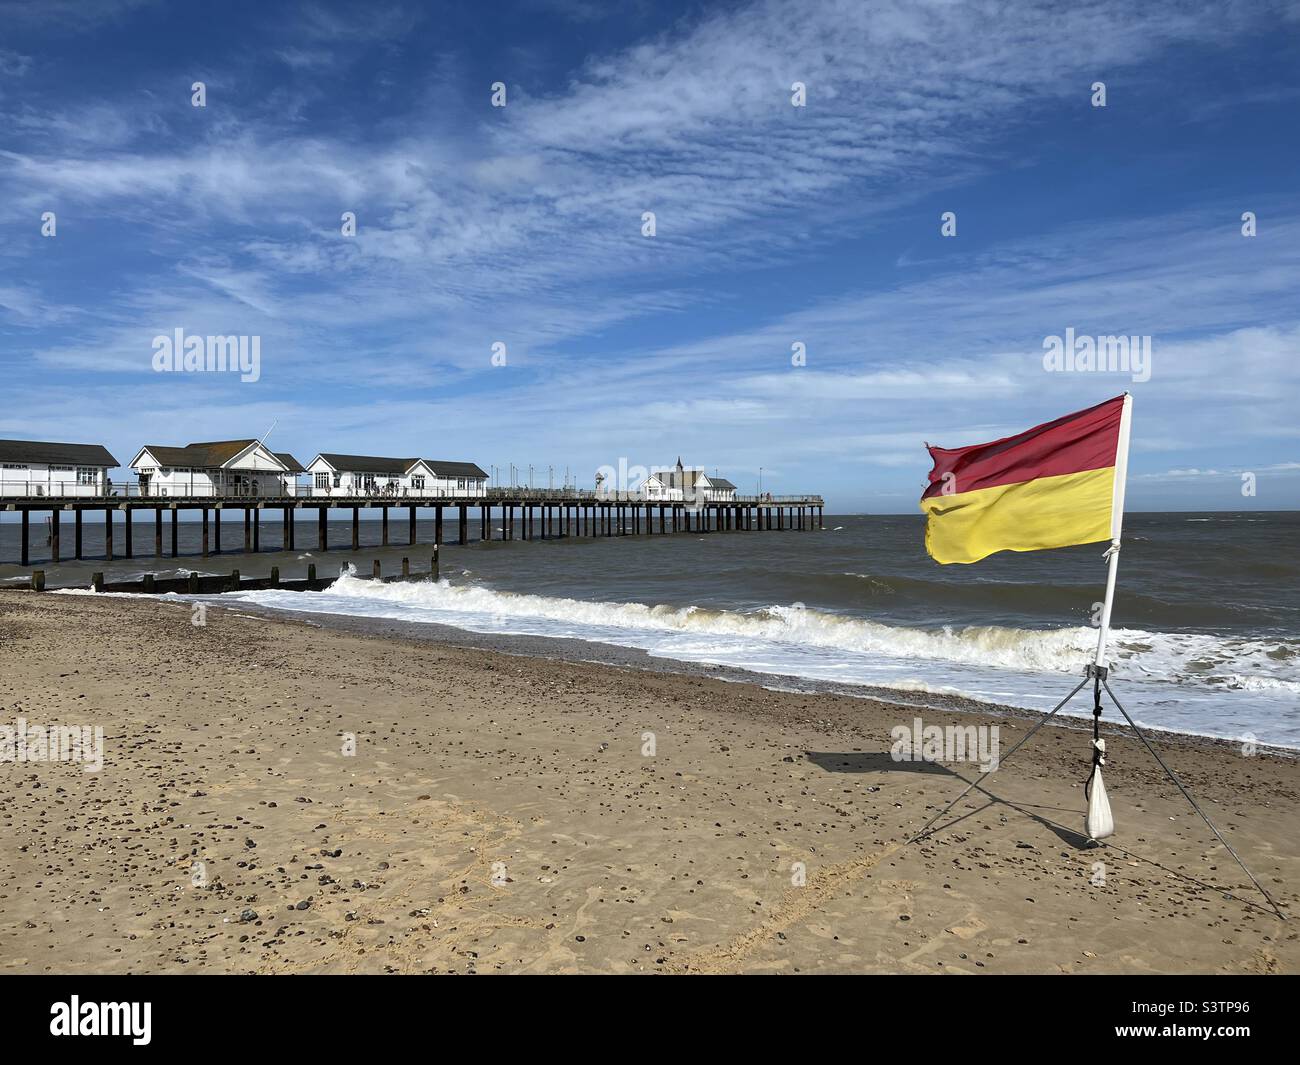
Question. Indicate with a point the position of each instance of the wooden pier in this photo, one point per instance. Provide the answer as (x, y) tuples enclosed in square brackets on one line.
[(523, 514)]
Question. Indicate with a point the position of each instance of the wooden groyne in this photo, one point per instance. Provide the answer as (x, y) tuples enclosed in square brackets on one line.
[(217, 583), (524, 515)]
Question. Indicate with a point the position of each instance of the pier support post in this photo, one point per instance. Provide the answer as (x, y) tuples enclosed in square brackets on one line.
[(485, 527), (25, 533), (385, 524), (437, 526), (286, 533), (130, 547), (322, 528), (216, 530), (157, 532), (375, 570), (248, 530), (463, 531), (175, 531), (411, 532), (108, 534), (433, 565), (205, 532), (356, 528), (55, 515), (406, 567), (257, 528), (290, 513), (77, 534)]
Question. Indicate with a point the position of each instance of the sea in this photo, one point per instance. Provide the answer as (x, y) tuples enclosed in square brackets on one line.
[(1205, 636)]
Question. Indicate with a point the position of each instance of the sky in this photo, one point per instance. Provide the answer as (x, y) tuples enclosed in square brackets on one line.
[(798, 311)]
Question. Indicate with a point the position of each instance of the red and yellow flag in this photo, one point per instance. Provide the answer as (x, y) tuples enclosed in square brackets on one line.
[(1054, 485)]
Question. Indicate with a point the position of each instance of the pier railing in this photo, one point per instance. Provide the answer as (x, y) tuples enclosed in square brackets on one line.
[(117, 491)]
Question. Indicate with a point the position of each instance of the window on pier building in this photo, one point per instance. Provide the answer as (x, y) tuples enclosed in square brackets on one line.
[(417, 482), (338, 480), (87, 475), (323, 480)]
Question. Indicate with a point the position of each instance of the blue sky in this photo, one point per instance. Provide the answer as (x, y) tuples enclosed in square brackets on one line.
[(775, 225)]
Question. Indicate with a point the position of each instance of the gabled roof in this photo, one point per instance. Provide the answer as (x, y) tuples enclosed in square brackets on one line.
[(677, 477), (290, 463), (56, 454), (720, 482), (209, 454), (368, 463), (455, 469)]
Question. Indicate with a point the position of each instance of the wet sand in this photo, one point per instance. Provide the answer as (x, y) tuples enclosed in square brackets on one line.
[(501, 813)]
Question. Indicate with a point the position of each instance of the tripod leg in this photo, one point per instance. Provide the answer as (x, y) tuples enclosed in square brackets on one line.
[(1170, 773), (1025, 739)]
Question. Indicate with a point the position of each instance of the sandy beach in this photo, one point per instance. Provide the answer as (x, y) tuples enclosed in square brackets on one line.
[(501, 813)]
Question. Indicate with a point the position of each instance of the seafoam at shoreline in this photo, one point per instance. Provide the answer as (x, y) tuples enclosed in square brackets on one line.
[(615, 656), (1176, 682)]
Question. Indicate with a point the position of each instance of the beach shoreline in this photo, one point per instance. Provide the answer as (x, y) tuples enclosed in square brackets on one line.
[(599, 653), (500, 814)]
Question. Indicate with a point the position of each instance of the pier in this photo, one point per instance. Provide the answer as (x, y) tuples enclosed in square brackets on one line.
[(521, 514)]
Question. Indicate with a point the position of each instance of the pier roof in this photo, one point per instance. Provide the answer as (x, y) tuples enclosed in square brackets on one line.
[(61, 454), (455, 469), (367, 463)]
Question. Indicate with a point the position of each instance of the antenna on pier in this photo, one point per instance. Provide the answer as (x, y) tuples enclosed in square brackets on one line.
[(269, 432)]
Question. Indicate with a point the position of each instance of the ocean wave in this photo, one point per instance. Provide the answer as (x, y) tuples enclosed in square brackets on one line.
[(1184, 657)]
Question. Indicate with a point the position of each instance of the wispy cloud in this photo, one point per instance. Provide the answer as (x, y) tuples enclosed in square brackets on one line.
[(523, 224)]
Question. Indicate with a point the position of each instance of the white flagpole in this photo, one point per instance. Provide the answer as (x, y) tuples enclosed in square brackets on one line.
[(1116, 525)]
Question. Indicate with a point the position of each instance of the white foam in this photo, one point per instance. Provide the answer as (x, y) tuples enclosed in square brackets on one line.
[(1187, 682)]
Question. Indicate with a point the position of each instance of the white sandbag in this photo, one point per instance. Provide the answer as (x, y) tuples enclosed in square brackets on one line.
[(1099, 824)]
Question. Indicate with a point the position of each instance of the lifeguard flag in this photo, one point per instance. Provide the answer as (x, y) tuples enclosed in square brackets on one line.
[(1054, 485)]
